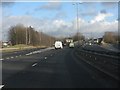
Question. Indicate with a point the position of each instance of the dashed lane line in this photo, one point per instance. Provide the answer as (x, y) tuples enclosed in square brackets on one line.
[(34, 64), (1, 86), (45, 57), (7, 58), (12, 57), (1, 59)]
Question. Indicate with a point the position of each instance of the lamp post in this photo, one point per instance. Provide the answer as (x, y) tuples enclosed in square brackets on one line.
[(30, 27), (26, 35), (77, 9)]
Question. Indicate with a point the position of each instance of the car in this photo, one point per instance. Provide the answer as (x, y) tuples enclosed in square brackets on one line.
[(71, 45), (58, 45)]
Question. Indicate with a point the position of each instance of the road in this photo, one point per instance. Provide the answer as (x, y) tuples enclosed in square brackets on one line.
[(63, 68)]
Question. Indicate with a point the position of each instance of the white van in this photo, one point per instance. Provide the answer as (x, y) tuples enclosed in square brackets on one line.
[(58, 45), (71, 45)]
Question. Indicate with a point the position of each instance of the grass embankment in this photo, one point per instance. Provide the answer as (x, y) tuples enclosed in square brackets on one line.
[(20, 47)]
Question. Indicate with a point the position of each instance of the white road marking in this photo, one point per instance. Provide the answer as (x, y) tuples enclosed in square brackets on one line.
[(1, 59), (39, 51), (7, 58), (19, 55), (95, 58), (16, 56), (12, 57), (1, 86), (34, 64), (26, 54), (45, 57)]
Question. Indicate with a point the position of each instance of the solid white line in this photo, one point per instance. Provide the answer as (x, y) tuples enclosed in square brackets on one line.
[(34, 64), (1, 86)]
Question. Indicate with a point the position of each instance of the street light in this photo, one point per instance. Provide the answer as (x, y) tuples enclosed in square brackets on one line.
[(26, 35), (77, 9)]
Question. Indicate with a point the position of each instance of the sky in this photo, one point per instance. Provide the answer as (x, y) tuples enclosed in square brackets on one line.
[(59, 18)]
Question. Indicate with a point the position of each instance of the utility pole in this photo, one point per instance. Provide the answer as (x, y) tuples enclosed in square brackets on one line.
[(77, 9), (15, 35), (26, 36), (30, 27)]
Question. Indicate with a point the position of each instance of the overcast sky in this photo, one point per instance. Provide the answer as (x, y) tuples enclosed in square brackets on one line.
[(59, 18)]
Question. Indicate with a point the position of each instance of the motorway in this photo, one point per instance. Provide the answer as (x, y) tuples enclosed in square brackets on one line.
[(50, 68)]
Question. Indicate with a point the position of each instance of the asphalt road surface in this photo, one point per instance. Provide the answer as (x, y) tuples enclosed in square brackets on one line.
[(60, 68)]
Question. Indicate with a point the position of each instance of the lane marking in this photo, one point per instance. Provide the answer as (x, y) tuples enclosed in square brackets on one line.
[(1, 86), (95, 58), (34, 64), (19, 55), (16, 56), (1, 59), (12, 57), (27, 54), (45, 57), (7, 58)]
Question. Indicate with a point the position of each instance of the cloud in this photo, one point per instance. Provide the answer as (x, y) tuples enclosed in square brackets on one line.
[(60, 27), (100, 17), (50, 6)]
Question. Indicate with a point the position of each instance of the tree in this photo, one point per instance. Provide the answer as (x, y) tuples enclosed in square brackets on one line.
[(110, 37), (20, 34), (78, 36)]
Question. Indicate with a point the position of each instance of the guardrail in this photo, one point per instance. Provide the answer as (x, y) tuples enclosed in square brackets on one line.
[(105, 63)]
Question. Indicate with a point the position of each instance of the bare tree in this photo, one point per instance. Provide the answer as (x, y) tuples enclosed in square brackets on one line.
[(20, 34), (110, 37)]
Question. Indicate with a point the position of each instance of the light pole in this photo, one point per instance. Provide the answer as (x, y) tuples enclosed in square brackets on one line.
[(26, 35), (77, 9), (30, 27)]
